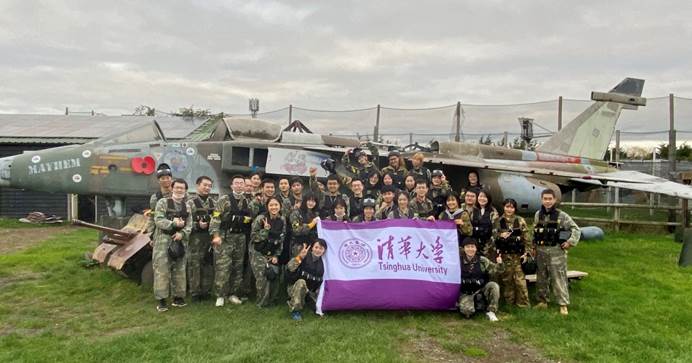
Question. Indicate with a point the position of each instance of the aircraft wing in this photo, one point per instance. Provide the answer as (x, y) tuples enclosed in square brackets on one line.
[(622, 179), (648, 183)]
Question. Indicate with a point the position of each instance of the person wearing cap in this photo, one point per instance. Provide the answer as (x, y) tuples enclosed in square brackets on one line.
[(165, 178), (478, 293), (396, 168), (419, 169), (363, 167), (421, 206), (439, 189), (170, 245), (368, 213), (386, 202)]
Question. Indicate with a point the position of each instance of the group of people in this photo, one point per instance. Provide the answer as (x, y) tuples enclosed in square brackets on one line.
[(273, 234)]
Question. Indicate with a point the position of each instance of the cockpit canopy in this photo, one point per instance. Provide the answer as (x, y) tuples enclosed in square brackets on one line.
[(145, 132)]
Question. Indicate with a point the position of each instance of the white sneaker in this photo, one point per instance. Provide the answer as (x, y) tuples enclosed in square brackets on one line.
[(234, 300), (491, 316), (219, 301)]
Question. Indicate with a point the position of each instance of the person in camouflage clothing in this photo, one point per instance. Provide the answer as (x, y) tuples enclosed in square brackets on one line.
[(268, 232), (438, 191), (511, 236), (306, 271), (173, 224), (303, 224), (230, 221), (554, 234), (363, 167), (396, 168), (199, 266), (421, 206), (164, 177), (460, 216), (476, 288)]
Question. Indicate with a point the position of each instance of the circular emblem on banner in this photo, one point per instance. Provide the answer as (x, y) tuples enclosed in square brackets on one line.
[(35, 159), (354, 253), (76, 178)]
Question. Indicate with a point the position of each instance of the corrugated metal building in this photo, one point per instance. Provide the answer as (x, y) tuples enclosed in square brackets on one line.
[(19, 133)]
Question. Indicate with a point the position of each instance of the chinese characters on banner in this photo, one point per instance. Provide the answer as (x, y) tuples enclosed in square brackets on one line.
[(391, 264)]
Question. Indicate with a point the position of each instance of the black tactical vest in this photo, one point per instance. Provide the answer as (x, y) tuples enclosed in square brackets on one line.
[(472, 277), (513, 244)]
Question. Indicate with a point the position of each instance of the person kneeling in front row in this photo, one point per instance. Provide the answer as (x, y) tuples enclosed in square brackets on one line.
[(478, 293), (305, 276)]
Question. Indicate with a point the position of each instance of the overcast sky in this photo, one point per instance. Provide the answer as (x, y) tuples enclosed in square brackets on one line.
[(113, 56)]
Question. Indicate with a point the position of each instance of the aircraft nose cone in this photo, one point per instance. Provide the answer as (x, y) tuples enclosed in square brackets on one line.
[(5, 168)]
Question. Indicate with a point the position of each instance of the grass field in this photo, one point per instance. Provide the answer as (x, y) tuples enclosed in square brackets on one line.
[(636, 306)]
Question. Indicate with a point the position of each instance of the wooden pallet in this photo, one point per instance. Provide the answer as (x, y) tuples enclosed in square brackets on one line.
[(571, 275)]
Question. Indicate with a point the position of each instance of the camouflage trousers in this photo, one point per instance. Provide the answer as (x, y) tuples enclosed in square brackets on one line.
[(258, 262), (228, 265), (199, 273), (169, 274), (297, 293), (491, 292), (513, 280), (551, 273)]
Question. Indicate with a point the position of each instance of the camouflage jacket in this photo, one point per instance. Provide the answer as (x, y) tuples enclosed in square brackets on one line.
[(165, 227), (152, 208), (509, 221), (260, 235), (565, 222), (223, 207), (487, 266), (422, 209), (208, 206), (465, 228)]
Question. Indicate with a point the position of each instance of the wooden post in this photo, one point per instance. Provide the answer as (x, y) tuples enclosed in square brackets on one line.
[(616, 210), (559, 113), (685, 213), (457, 122), (672, 148), (290, 114), (671, 137), (377, 124)]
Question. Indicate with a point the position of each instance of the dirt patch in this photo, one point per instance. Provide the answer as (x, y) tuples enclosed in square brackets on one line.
[(17, 239), (19, 277), (495, 345)]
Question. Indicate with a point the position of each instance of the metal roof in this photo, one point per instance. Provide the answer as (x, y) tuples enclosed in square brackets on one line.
[(44, 140), (88, 127)]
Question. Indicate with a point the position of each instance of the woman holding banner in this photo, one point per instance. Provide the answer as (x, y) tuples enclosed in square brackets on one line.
[(305, 276)]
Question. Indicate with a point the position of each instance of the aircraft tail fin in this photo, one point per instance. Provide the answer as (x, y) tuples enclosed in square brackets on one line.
[(589, 134)]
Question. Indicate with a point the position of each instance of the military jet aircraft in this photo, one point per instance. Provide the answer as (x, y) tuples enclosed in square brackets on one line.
[(123, 164)]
